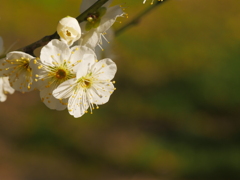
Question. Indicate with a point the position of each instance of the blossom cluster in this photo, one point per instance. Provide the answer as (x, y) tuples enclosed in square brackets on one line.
[(67, 73)]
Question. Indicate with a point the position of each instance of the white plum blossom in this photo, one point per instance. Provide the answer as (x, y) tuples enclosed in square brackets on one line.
[(69, 30), (16, 67), (91, 87), (67, 75), (151, 2), (57, 64), (97, 23), (5, 87)]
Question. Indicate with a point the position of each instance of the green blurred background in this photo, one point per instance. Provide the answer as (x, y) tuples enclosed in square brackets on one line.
[(176, 111)]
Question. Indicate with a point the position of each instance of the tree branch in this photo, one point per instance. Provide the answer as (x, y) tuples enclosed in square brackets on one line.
[(43, 41), (138, 18)]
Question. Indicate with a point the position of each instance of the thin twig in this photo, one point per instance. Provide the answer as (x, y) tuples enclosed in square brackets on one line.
[(138, 18), (43, 41)]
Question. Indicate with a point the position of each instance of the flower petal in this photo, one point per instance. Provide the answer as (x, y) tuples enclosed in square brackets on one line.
[(78, 104), (69, 30), (78, 56), (50, 101), (4, 68), (6, 86), (83, 67), (55, 51), (64, 90), (18, 55), (90, 39), (104, 69), (109, 18), (19, 72), (101, 92)]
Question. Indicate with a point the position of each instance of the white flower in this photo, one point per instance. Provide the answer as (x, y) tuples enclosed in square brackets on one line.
[(16, 66), (92, 86), (5, 88), (151, 2), (69, 30), (97, 23), (56, 64)]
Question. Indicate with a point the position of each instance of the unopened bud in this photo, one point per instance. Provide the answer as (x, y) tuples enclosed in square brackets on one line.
[(69, 30)]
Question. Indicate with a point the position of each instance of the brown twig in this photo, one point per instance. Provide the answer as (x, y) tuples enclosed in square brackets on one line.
[(138, 18), (43, 41)]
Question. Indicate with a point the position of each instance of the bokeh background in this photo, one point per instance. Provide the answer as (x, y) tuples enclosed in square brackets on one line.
[(175, 113)]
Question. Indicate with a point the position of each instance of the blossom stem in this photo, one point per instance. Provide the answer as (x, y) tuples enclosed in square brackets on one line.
[(43, 41), (138, 18)]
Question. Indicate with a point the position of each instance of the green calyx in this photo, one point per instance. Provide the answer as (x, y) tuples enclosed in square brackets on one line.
[(94, 19)]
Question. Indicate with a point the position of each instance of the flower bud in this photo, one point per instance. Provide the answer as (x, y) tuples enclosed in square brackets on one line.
[(69, 30)]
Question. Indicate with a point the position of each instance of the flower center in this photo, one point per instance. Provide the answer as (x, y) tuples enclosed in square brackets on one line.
[(85, 82), (26, 66), (68, 33), (21, 70), (60, 74)]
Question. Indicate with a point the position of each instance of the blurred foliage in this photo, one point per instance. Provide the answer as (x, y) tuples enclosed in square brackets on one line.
[(176, 111)]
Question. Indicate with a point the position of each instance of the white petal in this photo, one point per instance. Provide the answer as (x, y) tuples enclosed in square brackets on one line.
[(104, 69), (91, 38), (109, 18), (101, 92), (3, 66), (18, 55), (55, 51), (108, 37), (83, 67), (78, 104), (69, 30), (19, 84), (50, 101), (6, 85), (3, 96), (20, 77), (65, 89), (78, 56)]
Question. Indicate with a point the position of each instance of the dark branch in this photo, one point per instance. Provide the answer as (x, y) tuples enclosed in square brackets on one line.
[(43, 41), (138, 18)]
